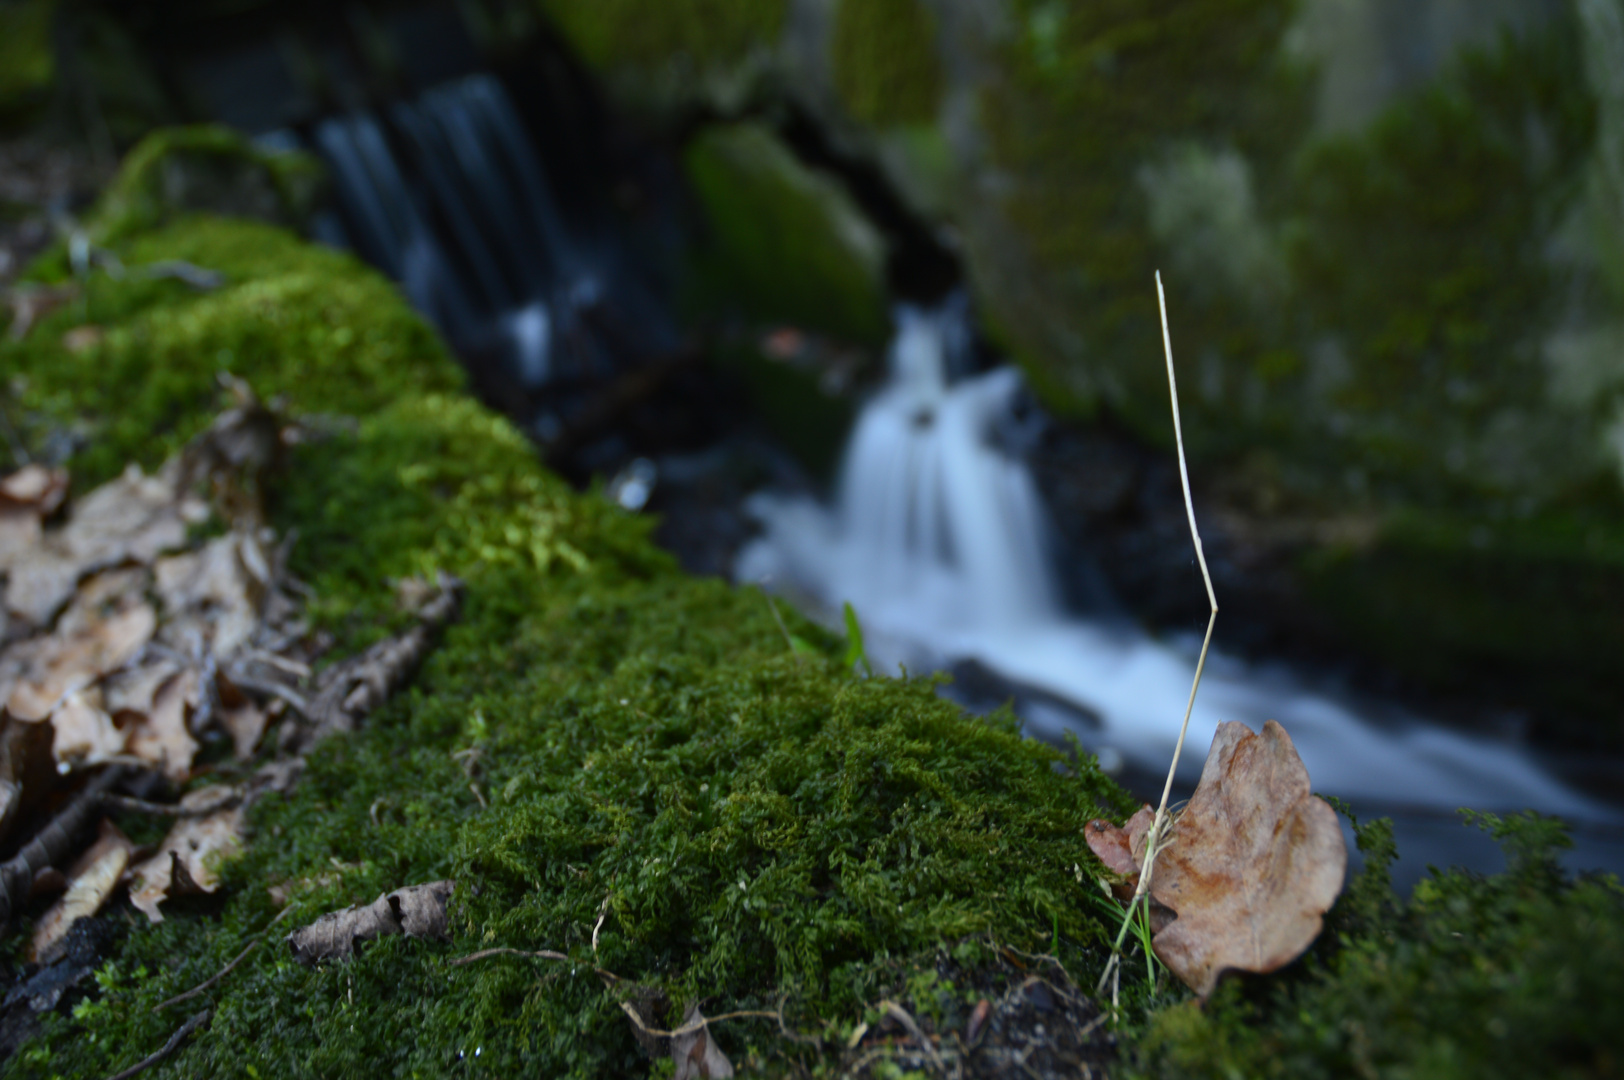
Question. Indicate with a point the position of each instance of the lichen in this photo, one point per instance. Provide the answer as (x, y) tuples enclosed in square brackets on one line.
[(884, 62)]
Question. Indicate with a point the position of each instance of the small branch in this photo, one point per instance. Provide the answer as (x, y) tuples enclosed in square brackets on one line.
[(270, 688), (207, 984), (690, 1028), (142, 806), (51, 844), (197, 1021), (544, 954)]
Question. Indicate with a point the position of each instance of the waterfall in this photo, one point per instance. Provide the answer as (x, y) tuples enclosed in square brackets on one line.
[(446, 194), (937, 537)]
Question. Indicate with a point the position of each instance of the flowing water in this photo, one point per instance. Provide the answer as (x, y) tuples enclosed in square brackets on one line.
[(938, 539)]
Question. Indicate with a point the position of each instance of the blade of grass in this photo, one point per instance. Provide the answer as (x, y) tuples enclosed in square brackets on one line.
[(1153, 846)]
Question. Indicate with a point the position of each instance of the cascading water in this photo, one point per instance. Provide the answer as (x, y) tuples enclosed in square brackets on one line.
[(446, 194), (938, 538)]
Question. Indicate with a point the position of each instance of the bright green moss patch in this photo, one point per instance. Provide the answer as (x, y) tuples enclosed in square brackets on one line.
[(293, 318), (884, 61), (204, 167), (784, 242), (1519, 974)]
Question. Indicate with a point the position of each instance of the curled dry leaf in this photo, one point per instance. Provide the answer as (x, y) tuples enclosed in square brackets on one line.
[(1254, 862), (162, 737), (132, 519), (211, 595), (185, 860), (27, 497), (106, 625), (83, 734), (91, 880), (416, 911), (348, 691)]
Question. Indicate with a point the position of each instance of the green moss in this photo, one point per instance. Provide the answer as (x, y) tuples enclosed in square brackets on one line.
[(702, 33), (884, 61), (763, 825), (204, 167), (301, 320), (1519, 974), (784, 243)]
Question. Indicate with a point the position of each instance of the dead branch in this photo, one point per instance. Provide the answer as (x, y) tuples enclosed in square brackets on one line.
[(204, 986), (197, 1021), (53, 844)]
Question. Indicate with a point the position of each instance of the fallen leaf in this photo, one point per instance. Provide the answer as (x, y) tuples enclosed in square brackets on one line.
[(36, 487), (1255, 861), (132, 519), (185, 860), (416, 911), (245, 724), (162, 737), (91, 880), (82, 732), (27, 497), (131, 690), (1110, 842), (210, 592), (696, 1052), (103, 629), (346, 692)]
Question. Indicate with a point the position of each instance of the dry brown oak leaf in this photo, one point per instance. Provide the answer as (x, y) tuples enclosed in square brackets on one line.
[(185, 862), (1255, 861), (416, 911)]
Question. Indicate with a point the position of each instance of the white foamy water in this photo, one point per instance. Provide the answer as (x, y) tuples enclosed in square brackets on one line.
[(938, 540)]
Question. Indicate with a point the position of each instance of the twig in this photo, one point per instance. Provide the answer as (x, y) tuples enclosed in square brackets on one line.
[(142, 806), (692, 1026), (1152, 847), (51, 844), (205, 985), (901, 1016), (270, 688), (197, 1021), (544, 954)]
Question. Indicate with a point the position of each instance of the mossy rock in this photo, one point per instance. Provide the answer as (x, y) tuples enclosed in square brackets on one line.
[(1526, 613), (206, 168), (783, 243), (633, 767), (884, 61)]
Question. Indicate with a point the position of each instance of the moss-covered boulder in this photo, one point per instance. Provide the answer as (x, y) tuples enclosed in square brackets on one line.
[(783, 242), (639, 771), (206, 168)]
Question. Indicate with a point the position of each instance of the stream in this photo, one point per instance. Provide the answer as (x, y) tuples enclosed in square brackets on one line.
[(937, 533), (937, 536)]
